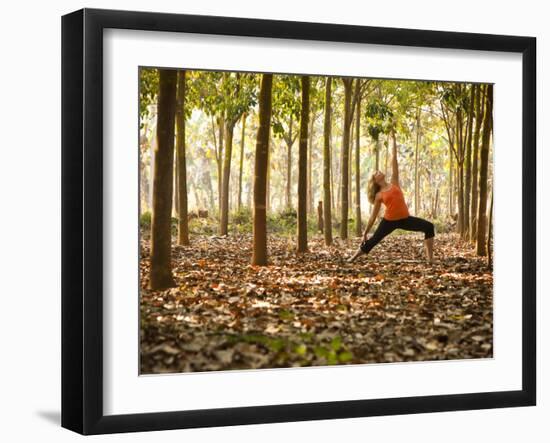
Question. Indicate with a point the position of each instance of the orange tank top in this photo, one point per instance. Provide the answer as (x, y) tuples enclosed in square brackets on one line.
[(393, 199)]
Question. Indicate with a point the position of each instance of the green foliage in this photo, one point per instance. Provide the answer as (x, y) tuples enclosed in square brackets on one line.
[(331, 353), (379, 118), (145, 220), (286, 104), (225, 94), (148, 89)]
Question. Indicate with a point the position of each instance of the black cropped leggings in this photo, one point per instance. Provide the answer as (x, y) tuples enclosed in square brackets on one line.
[(386, 227)]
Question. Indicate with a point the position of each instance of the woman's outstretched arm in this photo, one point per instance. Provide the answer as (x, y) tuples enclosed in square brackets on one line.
[(372, 219), (394, 165)]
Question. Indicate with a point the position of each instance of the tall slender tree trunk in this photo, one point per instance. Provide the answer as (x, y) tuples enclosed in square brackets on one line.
[(152, 151), (490, 234), (268, 191), (479, 119), (468, 184), (350, 170), (327, 165), (219, 159), (416, 183), (161, 266), (302, 167), (386, 156), (310, 169), (483, 168), (289, 143), (358, 224), (344, 177), (259, 255), (175, 196), (183, 228), (377, 154), (451, 199), (460, 173), (224, 216), (241, 161)]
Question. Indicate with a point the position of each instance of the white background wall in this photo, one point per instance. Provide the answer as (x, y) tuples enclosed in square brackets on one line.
[(30, 219)]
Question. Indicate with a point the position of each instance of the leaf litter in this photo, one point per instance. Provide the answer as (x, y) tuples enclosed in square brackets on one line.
[(314, 308)]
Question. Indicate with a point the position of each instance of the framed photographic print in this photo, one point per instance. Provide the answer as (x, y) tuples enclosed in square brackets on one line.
[(268, 221)]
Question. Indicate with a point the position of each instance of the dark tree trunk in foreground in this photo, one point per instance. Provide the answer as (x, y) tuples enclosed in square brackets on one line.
[(344, 168), (302, 167), (239, 200), (183, 229), (161, 266), (224, 216), (483, 168), (358, 224), (475, 155), (259, 256), (326, 165)]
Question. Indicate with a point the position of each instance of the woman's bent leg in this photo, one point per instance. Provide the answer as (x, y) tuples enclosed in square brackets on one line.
[(420, 225), (384, 228)]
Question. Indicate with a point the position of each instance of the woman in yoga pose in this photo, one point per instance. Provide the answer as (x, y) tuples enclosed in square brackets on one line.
[(396, 215)]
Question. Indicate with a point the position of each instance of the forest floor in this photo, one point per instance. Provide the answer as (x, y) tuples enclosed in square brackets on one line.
[(315, 309)]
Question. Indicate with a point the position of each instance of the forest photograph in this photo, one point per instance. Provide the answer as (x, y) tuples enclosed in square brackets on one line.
[(294, 220)]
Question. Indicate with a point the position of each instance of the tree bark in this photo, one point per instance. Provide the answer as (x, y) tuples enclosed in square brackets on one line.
[(358, 224), (320, 223), (152, 150), (416, 185), (219, 159), (259, 255), (176, 199), (309, 170), (183, 228), (460, 172), (161, 266), (224, 216), (377, 154), (289, 144), (483, 168), (490, 235), (302, 167), (327, 165), (344, 169), (239, 200), (451, 200), (479, 119), (468, 184)]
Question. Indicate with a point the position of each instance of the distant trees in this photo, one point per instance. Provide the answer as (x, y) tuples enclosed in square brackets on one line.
[(187, 121), (238, 94)]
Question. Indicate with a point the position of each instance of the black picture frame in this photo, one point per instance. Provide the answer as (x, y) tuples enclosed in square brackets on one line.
[(82, 218)]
